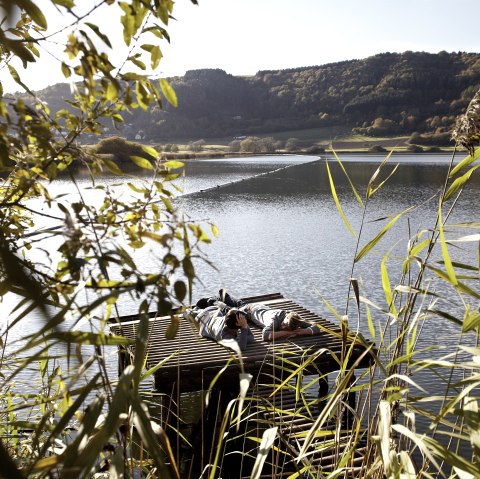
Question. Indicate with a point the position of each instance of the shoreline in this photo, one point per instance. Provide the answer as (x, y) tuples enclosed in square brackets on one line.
[(216, 154)]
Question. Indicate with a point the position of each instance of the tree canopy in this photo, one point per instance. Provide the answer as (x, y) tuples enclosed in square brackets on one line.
[(70, 261), (386, 94)]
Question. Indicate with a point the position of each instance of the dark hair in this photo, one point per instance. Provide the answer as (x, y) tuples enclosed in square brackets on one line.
[(202, 303), (231, 319)]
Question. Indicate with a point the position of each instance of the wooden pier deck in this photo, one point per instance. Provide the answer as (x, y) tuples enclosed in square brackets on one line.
[(190, 362)]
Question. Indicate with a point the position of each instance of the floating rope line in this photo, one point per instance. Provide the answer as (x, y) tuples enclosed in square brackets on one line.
[(248, 178), (185, 195)]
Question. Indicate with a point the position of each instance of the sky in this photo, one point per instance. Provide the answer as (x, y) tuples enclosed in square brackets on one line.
[(245, 36)]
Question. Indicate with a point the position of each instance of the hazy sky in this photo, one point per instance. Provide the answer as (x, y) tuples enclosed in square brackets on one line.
[(244, 36)]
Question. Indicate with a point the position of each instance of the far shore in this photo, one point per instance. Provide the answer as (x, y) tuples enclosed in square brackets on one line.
[(203, 155)]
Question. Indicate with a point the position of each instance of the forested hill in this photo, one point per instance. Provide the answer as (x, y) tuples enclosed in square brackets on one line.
[(384, 94)]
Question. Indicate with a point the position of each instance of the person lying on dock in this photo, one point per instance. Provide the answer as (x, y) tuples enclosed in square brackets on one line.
[(278, 323), (216, 324)]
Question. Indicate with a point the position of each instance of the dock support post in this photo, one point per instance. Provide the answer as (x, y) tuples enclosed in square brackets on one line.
[(351, 403), (322, 390)]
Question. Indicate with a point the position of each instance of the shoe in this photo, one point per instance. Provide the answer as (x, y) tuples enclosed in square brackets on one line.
[(228, 299)]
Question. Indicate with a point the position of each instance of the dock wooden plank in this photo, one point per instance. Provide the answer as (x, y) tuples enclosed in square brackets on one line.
[(191, 361)]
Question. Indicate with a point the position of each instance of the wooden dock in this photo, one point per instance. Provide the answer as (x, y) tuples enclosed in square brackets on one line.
[(190, 363)]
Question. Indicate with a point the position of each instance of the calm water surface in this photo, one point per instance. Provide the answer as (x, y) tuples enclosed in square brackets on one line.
[(280, 230)]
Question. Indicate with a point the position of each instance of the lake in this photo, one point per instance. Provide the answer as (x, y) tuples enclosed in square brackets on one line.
[(280, 230)]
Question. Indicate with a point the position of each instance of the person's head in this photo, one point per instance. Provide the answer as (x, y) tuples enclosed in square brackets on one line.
[(203, 303), (231, 318), (292, 321)]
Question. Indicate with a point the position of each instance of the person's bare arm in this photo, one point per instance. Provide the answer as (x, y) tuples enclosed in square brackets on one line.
[(273, 335), (283, 334)]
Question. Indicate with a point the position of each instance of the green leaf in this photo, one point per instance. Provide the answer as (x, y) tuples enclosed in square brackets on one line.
[(113, 167), (141, 342), (136, 188), (164, 8), (156, 56), (374, 176), (337, 202), (446, 256), (188, 268), (112, 91), (215, 231), (143, 425), (268, 438), (158, 366), (173, 165), (116, 117), (352, 186), (377, 238), (143, 97), (138, 63), (151, 151), (142, 162), (459, 182), (64, 3), (101, 35), (451, 458), (419, 247), (72, 410), (66, 70), (180, 290), (169, 92), (471, 320), (387, 288), (465, 162), (172, 328), (147, 47), (128, 22), (21, 51), (158, 32), (33, 12), (371, 326)]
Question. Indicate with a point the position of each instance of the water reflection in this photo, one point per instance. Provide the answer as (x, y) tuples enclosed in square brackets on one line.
[(282, 231)]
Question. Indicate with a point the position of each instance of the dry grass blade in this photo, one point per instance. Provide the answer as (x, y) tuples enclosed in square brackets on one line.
[(268, 439)]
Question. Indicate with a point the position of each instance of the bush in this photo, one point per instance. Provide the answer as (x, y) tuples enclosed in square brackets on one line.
[(414, 149), (377, 149), (196, 146), (431, 139), (250, 145), (315, 150), (121, 149), (291, 144), (234, 146)]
